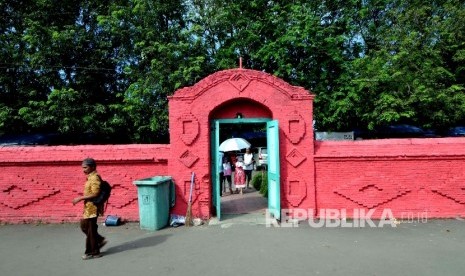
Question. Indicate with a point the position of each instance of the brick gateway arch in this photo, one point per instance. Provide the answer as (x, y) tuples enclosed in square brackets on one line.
[(254, 94)]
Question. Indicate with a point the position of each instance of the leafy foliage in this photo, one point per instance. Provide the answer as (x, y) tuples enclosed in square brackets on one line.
[(108, 67), (257, 181), (264, 185), (260, 182)]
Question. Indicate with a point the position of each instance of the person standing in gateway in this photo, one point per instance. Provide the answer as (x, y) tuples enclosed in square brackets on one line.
[(248, 162), (239, 175), (94, 241)]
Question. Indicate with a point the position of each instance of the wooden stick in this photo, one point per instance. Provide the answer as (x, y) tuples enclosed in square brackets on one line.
[(189, 204)]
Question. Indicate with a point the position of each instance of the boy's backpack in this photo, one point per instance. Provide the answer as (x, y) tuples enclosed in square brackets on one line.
[(103, 196)]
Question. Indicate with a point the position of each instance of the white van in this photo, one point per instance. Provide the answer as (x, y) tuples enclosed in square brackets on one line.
[(261, 158)]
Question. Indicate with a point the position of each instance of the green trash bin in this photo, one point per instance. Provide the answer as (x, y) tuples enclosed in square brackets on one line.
[(156, 196)]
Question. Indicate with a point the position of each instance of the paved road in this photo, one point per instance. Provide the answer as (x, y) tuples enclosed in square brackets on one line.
[(239, 245)]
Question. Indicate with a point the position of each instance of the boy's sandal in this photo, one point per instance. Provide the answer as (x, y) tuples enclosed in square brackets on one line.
[(88, 257)]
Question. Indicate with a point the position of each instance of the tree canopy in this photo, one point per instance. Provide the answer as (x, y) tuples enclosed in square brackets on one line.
[(107, 67)]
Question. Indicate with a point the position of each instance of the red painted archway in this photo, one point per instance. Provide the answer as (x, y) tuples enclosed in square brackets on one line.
[(221, 96)]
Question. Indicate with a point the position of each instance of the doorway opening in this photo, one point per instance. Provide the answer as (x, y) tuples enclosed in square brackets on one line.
[(257, 132), (251, 200)]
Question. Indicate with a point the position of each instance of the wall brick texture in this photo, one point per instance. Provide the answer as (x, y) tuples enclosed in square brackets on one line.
[(411, 177), (407, 176), (39, 183)]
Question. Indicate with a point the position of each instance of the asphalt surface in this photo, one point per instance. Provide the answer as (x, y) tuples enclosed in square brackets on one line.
[(239, 245)]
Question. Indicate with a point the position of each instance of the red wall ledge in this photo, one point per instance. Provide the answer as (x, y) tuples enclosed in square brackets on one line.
[(411, 177), (391, 147), (39, 183)]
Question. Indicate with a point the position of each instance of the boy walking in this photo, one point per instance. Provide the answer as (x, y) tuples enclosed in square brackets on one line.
[(89, 220)]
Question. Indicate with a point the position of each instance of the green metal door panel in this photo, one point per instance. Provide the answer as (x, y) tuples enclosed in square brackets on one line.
[(274, 194), (214, 145)]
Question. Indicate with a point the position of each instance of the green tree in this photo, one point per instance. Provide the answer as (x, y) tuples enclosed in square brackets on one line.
[(410, 70), (160, 54), (57, 51), (108, 66)]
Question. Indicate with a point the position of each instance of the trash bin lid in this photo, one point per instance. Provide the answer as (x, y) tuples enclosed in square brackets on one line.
[(155, 180)]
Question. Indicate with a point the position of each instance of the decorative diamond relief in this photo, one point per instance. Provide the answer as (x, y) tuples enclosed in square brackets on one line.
[(121, 196), (366, 191), (188, 158), (295, 158), (18, 196), (453, 189), (239, 81)]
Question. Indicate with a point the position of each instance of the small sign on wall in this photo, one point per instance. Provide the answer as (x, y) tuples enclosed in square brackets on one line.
[(334, 136)]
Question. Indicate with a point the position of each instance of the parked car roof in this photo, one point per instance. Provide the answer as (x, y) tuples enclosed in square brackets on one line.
[(54, 139), (458, 131), (29, 139), (400, 131)]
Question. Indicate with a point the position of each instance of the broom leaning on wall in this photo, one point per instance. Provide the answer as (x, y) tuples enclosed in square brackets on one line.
[(189, 204)]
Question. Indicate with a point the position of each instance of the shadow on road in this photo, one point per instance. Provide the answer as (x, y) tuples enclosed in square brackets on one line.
[(137, 244)]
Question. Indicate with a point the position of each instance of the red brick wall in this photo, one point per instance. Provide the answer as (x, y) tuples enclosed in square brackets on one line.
[(408, 176), (39, 183), (412, 177)]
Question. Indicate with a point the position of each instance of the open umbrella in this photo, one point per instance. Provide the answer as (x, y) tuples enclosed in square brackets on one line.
[(233, 144)]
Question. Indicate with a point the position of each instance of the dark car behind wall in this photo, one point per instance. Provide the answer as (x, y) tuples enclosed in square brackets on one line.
[(458, 131), (395, 131), (54, 139)]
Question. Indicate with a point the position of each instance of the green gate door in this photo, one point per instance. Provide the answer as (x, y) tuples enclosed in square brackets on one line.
[(214, 145), (273, 162), (274, 194)]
